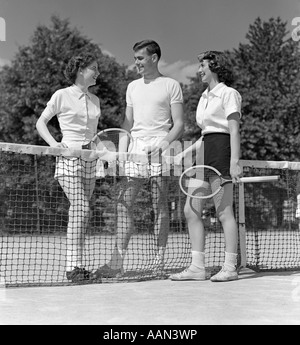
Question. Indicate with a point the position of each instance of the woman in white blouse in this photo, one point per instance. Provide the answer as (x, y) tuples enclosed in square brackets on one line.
[(78, 112), (218, 115)]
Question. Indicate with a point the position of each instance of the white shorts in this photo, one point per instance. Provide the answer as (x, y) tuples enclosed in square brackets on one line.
[(142, 170)]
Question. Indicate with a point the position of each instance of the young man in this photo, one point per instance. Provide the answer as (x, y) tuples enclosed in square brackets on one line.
[(154, 117)]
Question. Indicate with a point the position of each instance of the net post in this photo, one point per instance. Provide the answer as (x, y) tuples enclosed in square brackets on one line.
[(180, 211), (37, 194), (115, 203), (242, 227)]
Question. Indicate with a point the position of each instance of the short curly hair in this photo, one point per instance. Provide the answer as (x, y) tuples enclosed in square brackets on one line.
[(81, 60), (219, 64)]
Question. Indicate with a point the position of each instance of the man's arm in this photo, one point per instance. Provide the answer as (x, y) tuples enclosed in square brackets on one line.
[(128, 120), (174, 134), (127, 125), (178, 125)]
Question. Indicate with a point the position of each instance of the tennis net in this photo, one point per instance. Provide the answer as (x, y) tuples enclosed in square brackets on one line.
[(44, 215), (269, 217)]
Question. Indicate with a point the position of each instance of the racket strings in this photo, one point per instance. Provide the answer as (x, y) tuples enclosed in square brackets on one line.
[(200, 182), (109, 140), (113, 141)]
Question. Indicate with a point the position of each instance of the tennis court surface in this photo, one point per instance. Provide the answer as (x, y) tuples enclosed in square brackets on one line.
[(255, 299)]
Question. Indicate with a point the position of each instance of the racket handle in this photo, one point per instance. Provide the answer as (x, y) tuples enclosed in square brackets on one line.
[(260, 179)]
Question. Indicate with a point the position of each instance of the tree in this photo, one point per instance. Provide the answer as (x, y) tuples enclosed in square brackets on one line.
[(267, 70), (191, 95), (36, 72), (267, 76)]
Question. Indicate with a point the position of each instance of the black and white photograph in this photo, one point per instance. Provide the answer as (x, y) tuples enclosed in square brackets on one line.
[(149, 166)]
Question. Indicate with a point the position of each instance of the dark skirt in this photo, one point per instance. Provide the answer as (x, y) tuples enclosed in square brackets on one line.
[(217, 152)]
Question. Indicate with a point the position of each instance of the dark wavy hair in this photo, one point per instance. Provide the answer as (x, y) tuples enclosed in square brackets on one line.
[(81, 60), (219, 64), (151, 46)]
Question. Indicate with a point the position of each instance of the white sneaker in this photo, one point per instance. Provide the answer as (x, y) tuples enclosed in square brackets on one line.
[(187, 274), (224, 276)]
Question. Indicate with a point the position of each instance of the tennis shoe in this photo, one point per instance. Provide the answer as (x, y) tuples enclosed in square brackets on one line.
[(187, 274), (78, 274), (224, 276), (106, 271)]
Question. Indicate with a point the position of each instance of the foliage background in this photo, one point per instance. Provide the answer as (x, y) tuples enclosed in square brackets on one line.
[(266, 68)]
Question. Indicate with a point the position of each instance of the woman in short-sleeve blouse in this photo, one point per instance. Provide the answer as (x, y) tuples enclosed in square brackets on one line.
[(78, 113), (218, 115)]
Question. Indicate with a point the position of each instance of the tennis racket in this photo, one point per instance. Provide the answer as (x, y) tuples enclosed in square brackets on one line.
[(112, 140), (204, 182)]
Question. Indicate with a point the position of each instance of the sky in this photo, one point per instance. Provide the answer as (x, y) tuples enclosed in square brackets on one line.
[(183, 28)]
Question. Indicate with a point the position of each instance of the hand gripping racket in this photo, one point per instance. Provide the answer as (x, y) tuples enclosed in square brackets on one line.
[(204, 182)]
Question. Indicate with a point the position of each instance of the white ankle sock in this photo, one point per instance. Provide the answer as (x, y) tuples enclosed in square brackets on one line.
[(73, 260), (117, 258), (230, 261), (198, 261), (161, 253)]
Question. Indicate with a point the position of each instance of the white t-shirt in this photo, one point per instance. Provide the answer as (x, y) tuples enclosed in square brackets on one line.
[(215, 106), (78, 114), (151, 102)]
